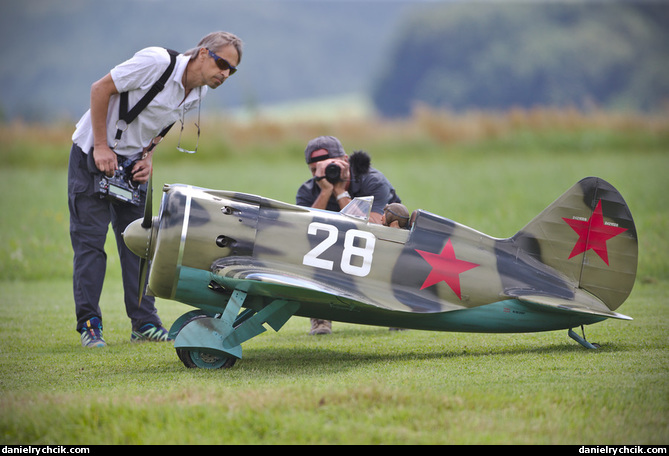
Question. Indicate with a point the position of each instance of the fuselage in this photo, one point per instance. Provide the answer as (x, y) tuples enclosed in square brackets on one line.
[(439, 275)]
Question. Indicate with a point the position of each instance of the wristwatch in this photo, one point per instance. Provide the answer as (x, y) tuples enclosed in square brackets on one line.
[(343, 195)]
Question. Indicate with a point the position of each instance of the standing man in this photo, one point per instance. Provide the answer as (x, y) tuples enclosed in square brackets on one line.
[(101, 143), (355, 178)]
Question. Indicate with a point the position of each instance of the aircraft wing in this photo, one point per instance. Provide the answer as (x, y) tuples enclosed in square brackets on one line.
[(266, 281)]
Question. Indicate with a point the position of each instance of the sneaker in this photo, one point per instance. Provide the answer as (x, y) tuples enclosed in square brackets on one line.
[(320, 327), (91, 333), (151, 333)]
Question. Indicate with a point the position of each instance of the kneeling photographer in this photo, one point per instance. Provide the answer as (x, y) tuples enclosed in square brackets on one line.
[(336, 179)]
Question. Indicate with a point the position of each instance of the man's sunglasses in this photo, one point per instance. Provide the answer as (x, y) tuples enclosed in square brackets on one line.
[(222, 63)]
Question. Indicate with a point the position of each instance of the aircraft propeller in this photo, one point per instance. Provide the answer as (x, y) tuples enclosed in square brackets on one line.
[(148, 205), (137, 237), (146, 224)]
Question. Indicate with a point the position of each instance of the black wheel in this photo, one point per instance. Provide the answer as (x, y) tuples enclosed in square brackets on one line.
[(196, 358)]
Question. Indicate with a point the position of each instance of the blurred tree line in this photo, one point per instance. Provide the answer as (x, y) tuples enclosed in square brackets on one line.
[(495, 56)]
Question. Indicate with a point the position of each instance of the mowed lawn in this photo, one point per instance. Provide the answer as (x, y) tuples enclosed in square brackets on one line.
[(361, 385)]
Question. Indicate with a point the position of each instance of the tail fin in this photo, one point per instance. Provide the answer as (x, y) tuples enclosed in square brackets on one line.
[(587, 234)]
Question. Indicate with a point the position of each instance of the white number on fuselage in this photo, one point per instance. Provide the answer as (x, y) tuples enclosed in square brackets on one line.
[(351, 250)]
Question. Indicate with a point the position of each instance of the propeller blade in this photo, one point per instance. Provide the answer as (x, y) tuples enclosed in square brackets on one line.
[(146, 223), (143, 271), (148, 204)]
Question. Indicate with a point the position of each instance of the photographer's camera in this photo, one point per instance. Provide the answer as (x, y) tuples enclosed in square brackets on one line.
[(333, 173)]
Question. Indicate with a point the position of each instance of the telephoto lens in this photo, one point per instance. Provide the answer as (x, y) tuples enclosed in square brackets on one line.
[(333, 173)]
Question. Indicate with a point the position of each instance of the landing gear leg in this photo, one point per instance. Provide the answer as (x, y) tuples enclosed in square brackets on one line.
[(214, 342), (581, 340)]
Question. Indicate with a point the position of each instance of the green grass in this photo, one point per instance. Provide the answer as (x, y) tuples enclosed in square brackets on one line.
[(362, 385)]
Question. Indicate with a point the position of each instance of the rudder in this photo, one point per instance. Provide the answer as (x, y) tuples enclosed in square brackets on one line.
[(587, 234)]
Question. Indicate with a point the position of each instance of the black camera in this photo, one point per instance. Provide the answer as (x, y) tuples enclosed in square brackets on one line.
[(120, 186), (333, 173), (360, 165)]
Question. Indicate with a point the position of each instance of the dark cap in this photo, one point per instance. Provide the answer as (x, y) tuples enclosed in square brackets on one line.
[(328, 143)]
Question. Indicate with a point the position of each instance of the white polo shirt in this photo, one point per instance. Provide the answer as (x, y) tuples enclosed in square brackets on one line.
[(136, 76)]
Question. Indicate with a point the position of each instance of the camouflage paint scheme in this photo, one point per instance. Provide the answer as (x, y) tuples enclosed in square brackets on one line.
[(219, 251)]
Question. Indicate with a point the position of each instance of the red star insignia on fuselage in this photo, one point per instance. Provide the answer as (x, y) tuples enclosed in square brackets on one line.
[(445, 267), (593, 234)]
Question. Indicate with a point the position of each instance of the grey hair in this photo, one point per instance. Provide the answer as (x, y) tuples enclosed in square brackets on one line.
[(217, 40)]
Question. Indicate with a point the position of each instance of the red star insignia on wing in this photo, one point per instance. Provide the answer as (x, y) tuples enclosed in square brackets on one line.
[(446, 268), (593, 234)]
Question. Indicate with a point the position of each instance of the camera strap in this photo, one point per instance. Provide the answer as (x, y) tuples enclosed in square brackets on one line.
[(125, 117)]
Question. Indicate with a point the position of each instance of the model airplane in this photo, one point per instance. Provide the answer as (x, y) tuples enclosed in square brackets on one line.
[(244, 261)]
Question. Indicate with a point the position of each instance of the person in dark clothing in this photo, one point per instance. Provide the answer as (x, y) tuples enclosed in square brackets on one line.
[(355, 178)]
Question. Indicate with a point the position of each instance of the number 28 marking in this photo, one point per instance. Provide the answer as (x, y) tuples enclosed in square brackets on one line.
[(351, 251)]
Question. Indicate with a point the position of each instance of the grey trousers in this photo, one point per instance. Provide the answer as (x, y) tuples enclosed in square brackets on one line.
[(90, 217)]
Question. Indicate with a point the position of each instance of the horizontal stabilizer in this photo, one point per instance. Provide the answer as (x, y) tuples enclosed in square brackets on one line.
[(592, 307)]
